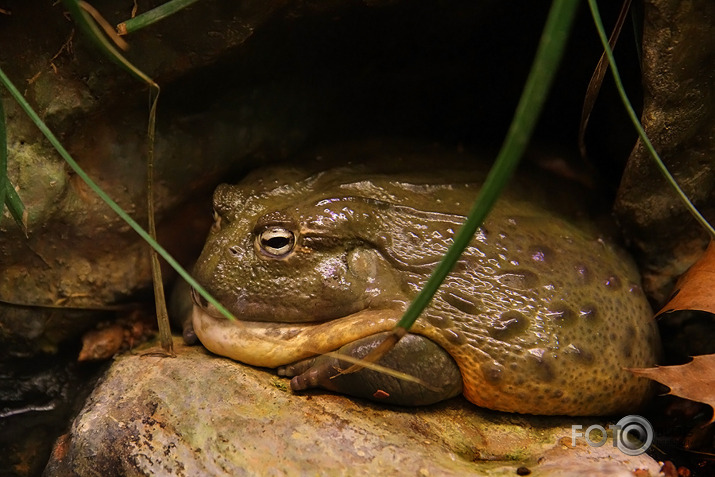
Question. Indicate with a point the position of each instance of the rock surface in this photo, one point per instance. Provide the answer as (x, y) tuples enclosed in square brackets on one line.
[(198, 414), (77, 255), (679, 118)]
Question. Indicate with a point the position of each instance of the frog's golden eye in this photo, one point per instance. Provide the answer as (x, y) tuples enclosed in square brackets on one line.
[(276, 241)]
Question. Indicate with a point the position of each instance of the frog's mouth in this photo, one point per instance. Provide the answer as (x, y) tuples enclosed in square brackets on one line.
[(273, 344)]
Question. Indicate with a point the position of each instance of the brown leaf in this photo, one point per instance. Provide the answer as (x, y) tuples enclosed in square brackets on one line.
[(101, 344), (694, 380), (695, 290), (594, 86)]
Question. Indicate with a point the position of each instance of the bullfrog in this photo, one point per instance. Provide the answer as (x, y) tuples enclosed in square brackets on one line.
[(540, 315)]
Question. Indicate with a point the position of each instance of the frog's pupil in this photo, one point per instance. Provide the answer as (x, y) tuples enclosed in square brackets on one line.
[(277, 242)]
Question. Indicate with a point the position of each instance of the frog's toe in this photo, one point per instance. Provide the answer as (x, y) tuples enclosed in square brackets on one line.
[(296, 368), (437, 375), (308, 374), (318, 376)]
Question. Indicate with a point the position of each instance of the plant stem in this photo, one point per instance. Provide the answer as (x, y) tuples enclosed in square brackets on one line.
[(83, 19), (152, 16)]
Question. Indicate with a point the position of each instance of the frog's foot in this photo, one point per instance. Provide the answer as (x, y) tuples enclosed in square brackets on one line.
[(437, 375), (299, 368)]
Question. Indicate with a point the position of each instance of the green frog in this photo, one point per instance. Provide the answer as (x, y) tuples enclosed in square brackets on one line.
[(539, 315)]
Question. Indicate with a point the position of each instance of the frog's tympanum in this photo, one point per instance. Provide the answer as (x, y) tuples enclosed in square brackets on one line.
[(538, 316)]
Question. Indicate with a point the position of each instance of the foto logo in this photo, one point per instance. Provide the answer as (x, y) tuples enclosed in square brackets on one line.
[(633, 435)]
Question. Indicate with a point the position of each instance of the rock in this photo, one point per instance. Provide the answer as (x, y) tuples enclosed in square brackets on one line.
[(199, 414), (36, 402), (679, 118), (78, 255)]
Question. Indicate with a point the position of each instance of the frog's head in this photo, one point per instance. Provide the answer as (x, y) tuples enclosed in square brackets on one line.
[(317, 247), (286, 255)]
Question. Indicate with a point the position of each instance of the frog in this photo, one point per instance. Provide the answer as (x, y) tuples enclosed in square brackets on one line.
[(317, 263)]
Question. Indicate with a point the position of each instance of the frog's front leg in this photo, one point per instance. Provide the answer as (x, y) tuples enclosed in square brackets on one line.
[(414, 355)]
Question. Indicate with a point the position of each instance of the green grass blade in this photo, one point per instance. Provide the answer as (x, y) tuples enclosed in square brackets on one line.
[(549, 53), (636, 122), (152, 16), (8, 194), (113, 205), (16, 207), (3, 157), (77, 9)]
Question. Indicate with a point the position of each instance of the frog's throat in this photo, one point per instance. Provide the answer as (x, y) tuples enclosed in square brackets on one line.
[(272, 344)]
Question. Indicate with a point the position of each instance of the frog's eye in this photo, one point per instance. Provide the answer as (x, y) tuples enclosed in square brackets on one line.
[(276, 241)]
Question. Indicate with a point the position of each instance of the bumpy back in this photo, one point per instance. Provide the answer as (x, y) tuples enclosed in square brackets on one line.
[(543, 318)]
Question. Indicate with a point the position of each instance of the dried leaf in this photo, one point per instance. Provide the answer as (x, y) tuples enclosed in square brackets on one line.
[(101, 344), (594, 86), (694, 380), (695, 290)]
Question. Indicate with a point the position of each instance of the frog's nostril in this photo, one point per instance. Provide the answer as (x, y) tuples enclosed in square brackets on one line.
[(235, 251)]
